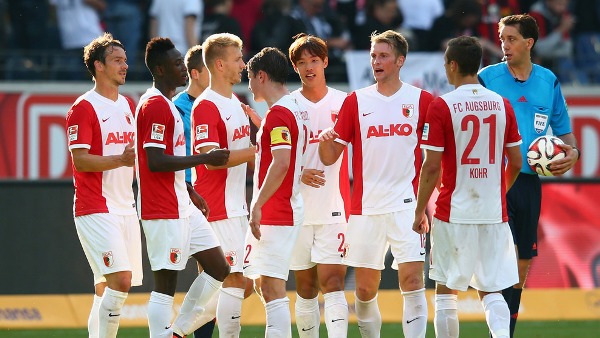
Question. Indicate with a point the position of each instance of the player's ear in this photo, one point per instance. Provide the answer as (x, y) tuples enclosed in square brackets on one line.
[(325, 62)]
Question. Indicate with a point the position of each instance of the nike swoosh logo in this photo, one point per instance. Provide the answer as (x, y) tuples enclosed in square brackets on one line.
[(245, 266), (336, 320), (113, 314), (412, 320), (310, 328), (235, 317), (227, 118), (366, 114), (106, 119), (422, 253)]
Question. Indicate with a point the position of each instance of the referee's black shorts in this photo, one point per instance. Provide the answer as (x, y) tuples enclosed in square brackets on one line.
[(523, 202)]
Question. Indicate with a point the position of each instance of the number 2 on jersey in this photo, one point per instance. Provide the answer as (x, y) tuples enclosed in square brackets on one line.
[(471, 122)]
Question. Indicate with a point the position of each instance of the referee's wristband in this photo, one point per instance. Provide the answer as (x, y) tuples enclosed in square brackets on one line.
[(578, 152)]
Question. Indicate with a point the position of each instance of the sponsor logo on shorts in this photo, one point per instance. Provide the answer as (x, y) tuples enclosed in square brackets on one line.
[(231, 258), (175, 255), (107, 258)]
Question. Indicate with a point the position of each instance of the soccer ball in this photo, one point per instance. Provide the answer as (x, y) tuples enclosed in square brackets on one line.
[(543, 151)]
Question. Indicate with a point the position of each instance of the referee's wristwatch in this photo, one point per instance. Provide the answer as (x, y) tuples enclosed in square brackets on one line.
[(578, 152)]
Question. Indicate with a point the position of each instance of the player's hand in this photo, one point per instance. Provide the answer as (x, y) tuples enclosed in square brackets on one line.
[(128, 155), (559, 167), (199, 202), (328, 135), (251, 113), (217, 157), (313, 177), (255, 216), (421, 223)]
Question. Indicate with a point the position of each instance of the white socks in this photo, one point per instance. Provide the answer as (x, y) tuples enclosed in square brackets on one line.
[(200, 293), (109, 312), (160, 311), (497, 315), (369, 317), (414, 317), (445, 321), (279, 320), (93, 322), (308, 317), (336, 314), (229, 311)]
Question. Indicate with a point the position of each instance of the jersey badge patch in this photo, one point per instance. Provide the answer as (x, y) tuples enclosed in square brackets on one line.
[(158, 132), (408, 110), (231, 258), (175, 255), (281, 135), (425, 136), (73, 132), (539, 122), (201, 132), (107, 258)]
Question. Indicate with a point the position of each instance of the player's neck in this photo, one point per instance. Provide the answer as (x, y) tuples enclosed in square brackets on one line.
[(521, 70), (165, 89), (466, 80), (314, 94), (275, 93), (221, 87), (195, 90), (390, 87), (107, 90)]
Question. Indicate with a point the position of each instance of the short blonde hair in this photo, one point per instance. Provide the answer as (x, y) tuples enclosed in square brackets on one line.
[(214, 46), (392, 38)]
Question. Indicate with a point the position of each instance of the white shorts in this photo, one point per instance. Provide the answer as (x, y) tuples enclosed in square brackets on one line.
[(478, 255), (271, 255), (168, 243), (231, 234), (202, 234), (111, 243), (369, 237), (319, 244)]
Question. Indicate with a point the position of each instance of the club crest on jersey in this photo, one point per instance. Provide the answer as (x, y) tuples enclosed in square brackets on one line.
[(158, 132), (175, 255), (73, 132), (408, 110), (201, 132), (539, 122), (107, 258), (231, 258), (334, 115)]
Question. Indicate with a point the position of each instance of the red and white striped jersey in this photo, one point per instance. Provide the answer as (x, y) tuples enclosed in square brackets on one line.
[(284, 127), (220, 121), (472, 126), (384, 132), (161, 195), (105, 127), (329, 203)]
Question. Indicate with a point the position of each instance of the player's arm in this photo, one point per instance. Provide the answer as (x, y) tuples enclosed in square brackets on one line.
[(559, 167), (158, 161), (430, 174), (251, 113), (197, 200), (329, 149), (236, 157), (513, 165), (86, 162), (273, 179)]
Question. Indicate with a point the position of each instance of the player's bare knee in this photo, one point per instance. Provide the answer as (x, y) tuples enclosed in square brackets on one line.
[(332, 283), (235, 280), (411, 282), (307, 290), (365, 293), (119, 281)]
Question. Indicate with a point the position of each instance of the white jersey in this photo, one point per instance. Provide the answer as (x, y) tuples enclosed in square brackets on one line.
[(472, 125), (324, 205), (105, 128), (384, 132)]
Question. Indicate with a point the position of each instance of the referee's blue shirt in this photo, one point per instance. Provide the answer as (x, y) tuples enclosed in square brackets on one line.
[(184, 102), (538, 102)]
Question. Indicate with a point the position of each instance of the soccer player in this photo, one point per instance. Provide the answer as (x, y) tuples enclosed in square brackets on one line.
[(383, 122), (317, 257), (220, 122), (538, 102), (276, 210), (468, 132), (100, 133), (198, 82), (174, 229)]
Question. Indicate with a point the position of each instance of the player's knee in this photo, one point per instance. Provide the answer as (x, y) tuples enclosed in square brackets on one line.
[(333, 283), (366, 293), (120, 281), (411, 282), (307, 290), (220, 272), (235, 280)]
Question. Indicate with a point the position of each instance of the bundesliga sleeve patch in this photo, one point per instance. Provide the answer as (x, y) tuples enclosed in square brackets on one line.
[(281, 135), (73, 132), (201, 132), (158, 132), (425, 136)]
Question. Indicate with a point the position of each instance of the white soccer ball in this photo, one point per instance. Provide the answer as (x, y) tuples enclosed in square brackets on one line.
[(543, 151)]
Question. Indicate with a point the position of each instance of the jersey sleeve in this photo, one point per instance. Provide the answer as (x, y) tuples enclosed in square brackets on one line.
[(79, 122), (424, 101), (435, 123), (559, 120), (278, 126), (155, 126), (347, 119), (208, 125), (512, 137)]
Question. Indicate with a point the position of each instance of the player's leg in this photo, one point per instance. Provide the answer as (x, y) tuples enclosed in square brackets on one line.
[(366, 306), (308, 317), (93, 321), (208, 316), (279, 320), (445, 321), (497, 314), (408, 249)]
